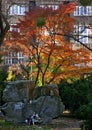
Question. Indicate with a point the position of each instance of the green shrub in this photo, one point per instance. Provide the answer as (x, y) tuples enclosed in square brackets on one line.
[(77, 97), (87, 115), (3, 76), (76, 94)]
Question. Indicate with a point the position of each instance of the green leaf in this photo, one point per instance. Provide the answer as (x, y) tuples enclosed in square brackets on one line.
[(40, 22), (85, 2)]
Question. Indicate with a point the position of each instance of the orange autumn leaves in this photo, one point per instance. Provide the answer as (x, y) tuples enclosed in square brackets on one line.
[(50, 54)]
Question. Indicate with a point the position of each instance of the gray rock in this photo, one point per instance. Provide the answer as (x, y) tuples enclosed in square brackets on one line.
[(13, 111), (17, 91), (19, 104), (1, 114), (48, 107)]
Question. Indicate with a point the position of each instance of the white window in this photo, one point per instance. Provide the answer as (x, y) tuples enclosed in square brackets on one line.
[(20, 55), (54, 7), (17, 10), (14, 28), (81, 33), (14, 58), (83, 11), (8, 61)]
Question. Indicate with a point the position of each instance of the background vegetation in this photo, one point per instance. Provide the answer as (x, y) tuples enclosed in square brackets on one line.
[(77, 97), (3, 76)]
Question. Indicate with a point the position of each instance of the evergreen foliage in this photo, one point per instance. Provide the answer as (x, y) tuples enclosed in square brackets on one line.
[(77, 97), (3, 76)]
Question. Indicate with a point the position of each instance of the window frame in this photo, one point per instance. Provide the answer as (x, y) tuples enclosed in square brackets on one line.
[(17, 9), (81, 34), (83, 11)]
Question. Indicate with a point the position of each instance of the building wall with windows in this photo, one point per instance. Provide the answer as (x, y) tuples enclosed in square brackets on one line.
[(14, 58), (83, 11), (83, 26), (14, 10)]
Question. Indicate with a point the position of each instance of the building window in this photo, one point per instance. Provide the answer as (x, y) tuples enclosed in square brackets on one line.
[(81, 34), (14, 61), (32, 5), (54, 7), (14, 54), (21, 60), (14, 58), (17, 10), (65, 2), (83, 11), (13, 27)]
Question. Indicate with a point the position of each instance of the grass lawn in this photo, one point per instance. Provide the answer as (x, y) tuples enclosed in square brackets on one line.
[(15, 127), (4, 125)]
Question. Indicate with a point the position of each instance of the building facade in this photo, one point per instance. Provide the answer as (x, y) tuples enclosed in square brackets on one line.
[(83, 26)]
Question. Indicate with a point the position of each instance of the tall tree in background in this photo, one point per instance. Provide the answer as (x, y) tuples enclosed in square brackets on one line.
[(4, 25), (50, 56)]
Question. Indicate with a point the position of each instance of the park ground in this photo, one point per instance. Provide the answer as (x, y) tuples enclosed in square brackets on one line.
[(60, 123)]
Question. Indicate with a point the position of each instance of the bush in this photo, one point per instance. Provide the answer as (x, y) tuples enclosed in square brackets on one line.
[(87, 115), (3, 76), (76, 94), (77, 97)]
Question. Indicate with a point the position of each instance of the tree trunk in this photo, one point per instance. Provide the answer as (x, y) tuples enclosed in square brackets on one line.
[(4, 25)]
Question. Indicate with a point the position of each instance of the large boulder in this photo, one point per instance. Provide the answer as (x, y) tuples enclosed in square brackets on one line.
[(18, 91), (47, 90), (21, 101), (48, 107)]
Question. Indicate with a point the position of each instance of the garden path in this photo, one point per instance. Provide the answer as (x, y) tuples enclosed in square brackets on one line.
[(66, 123)]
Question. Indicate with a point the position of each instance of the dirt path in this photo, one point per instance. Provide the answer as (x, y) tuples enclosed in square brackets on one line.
[(66, 129), (65, 123)]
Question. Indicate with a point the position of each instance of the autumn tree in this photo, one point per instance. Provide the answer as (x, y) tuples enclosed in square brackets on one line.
[(4, 14), (43, 39)]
